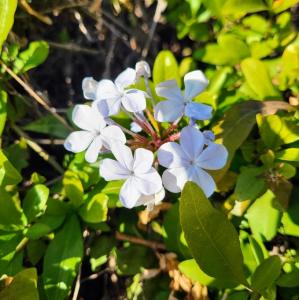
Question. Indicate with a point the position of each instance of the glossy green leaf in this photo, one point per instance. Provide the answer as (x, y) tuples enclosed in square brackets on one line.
[(3, 110), (7, 12), (257, 77), (263, 218), (212, 239), (191, 269), (34, 55), (230, 50), (95, 209), (290, 154), (166, 68), (62, 260), (275, 131), (73, 188), (11, 214), (266, 274), (53, 218), (279, 6), (23, 286), (290, 220), (35, 201), (239, 8), (8, 174)]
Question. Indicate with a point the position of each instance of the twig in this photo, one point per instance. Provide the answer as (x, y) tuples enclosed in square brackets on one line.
[(45, 19), (94, 276), (38, 149), (74, 48), (34, 95), (161, 5), (77, 285), (49, 141), (151, 244)]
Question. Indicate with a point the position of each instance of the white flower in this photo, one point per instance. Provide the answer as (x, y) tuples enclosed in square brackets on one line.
[(188, 160), (111, 95), (89, 87), (141, 178), (95, 136), (178, 103)]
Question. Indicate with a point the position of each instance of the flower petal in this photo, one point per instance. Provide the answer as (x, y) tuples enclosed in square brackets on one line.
[(168, 111), (88, 118), (129, 194), (195, 83), (203, 179), (111, 169), (89, 87), (91, 155), (125, 78), (143, 160), (171, 155), (214, 157), (112, 134), (175, 179), (148, 183), (134, 101), (109, 107), (170, 90), (135, 127), (192, 142), (123, 154), (107, 90), (151, 200), (78, 141), (198, 111)]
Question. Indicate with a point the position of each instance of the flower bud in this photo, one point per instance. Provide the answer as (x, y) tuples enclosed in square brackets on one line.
[(142, 69)]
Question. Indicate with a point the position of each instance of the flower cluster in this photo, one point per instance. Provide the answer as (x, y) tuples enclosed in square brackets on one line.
[(185, 153)]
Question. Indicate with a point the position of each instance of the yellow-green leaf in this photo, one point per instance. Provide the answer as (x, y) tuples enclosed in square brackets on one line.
[(7, 12)]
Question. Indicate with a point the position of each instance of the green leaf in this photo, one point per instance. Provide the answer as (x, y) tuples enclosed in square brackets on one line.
[(212, 239), (73, 188), (250, 183), (3, 110), (34, 55), (239, 8), (291, 278), (132, 259), (23, 286), (62, 260), (263, 218), (166, 68), (266, 274), (233, 129), (35, 202), (290, 220), (11, 214), (94, 209), (48, 125), (36, 250), (7, 12), (191, 269), (258, 78), (52, 219), (279, 6), (230, 50), (8, 245), (275, 131), (290, 154), (8, 174)]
